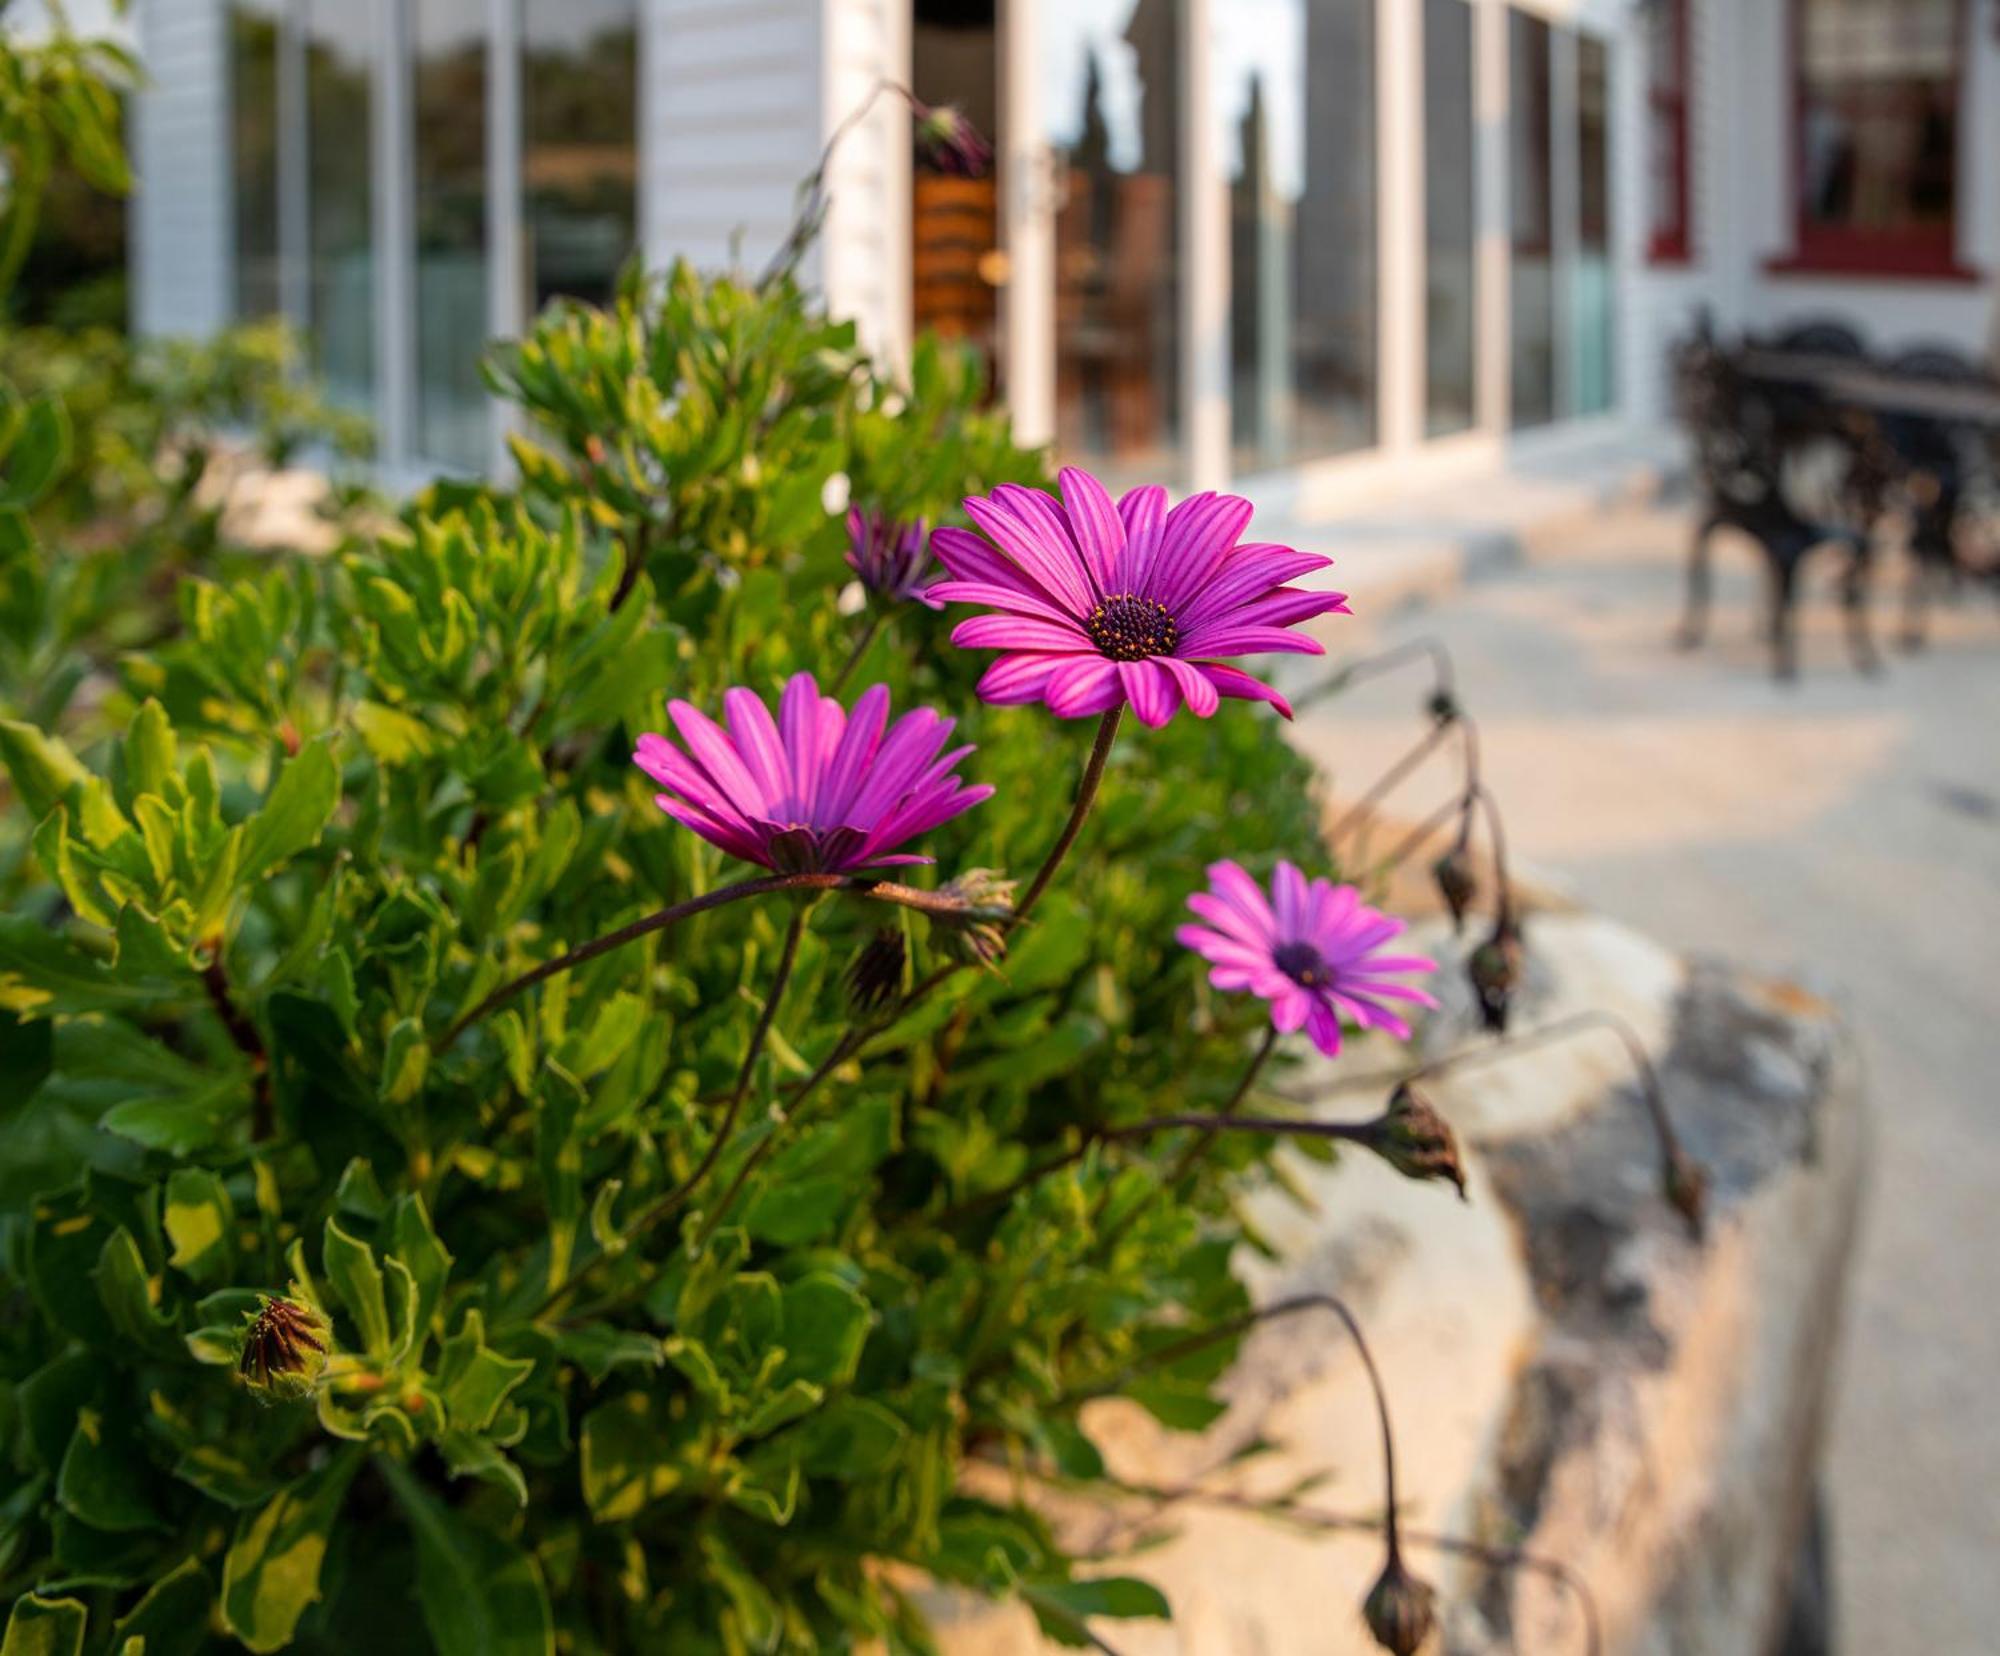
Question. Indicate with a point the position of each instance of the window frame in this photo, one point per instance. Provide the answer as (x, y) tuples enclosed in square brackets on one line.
[(1929, 254), (1674, 245)]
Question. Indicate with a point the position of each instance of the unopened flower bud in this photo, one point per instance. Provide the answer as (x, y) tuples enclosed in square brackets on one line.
[(1495, 973), (285, 1348), (948, 143), (1686, 1190), (1442, 706), (1415, 1140), (889, 558), (1401, 1610), (1456, 883), (877, 971)]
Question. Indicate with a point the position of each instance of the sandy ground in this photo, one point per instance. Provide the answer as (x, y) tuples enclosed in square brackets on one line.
[(1842, 831)]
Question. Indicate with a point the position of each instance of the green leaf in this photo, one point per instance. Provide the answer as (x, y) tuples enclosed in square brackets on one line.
[(422, 1255), (597, 1349), (271, 1574), (200, 1220), (45, 1627), (42, 766), (356, 1280), (851, 1438), (295, 813), (560, 1159), (103, 1481), (473, 1379), (43, 975), (38, 452), (150, 753), (481, 1594), (172, 1618), (1063, 1606), (27, 1054), (126, 1289), (825, 1323), (185, 1122), (626, 1457)]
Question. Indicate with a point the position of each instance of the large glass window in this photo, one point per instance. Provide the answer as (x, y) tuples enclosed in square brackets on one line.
[(448, 92), (580, 159), (340, 51), (1449, 229), (1878, 132), (1112, 72), (956, 266), (253, 73), (1592, 296), (1297, 84), (1667, 67), (1531, 208)]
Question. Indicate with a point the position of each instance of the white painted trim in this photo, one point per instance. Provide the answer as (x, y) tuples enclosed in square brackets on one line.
[(1493, 370), (1204, 259), (1399, 225), (506, 243), (395, 227), (1027, 179)]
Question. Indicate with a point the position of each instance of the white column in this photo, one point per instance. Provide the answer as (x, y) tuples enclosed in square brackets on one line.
[(1493, 358), (1027, 210), (506, 241), (395, 272), (1399, 153), (1204, 258), (182, 214)]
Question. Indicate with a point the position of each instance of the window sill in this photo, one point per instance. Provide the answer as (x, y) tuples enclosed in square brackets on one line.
[(1861, 267)]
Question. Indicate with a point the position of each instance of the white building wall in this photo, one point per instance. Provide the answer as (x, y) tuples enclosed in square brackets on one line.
[(181, 223), (738, 100)]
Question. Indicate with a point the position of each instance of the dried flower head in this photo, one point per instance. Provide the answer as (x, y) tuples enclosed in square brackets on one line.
[(816, 791), (1415, 1140), (1093, 604), (1457, 884), (285, 1347), (891, 560), (986, 899), (1495, 973), (1686, 1190), (1310, 949), (1401, 1609), (948, 143)]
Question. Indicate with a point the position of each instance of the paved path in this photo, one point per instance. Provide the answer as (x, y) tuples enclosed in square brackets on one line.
[(1841, 831)]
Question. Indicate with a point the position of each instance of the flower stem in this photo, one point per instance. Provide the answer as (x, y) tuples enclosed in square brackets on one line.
[(1086, 791), (861, 885), (244, 1036), (860, 649), (650, 1216)]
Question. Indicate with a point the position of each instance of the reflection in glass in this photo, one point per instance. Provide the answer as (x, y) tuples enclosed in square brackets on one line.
[(253, 77), (956, 266), (1530, 195), (1591, 291), (1297, 81), (1113, 91), (579, 161), (340, 46), (1878, 123), (448, 91), (1449, 285)]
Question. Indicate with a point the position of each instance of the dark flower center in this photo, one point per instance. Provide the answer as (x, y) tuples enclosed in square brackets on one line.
[(1126, 628), (1301, 963)]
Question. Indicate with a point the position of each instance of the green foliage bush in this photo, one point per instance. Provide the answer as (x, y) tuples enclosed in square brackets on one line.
[(268, 842)]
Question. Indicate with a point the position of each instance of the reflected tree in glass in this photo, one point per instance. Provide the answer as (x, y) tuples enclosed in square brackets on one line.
[(580, 157), (1450, 284), (340, 43), (448, 92)]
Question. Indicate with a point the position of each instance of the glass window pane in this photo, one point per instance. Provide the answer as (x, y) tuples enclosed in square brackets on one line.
[(253, 77), (957, 267), (1878, 116), (1297, 82), (448, 90), (580, 159), (1591, 293), (340, 50), (1113, 93), (1449, 280), (1530, 195)]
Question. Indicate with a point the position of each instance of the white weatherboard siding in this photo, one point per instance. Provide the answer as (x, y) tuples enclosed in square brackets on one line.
[(739, 98), (182, 229)]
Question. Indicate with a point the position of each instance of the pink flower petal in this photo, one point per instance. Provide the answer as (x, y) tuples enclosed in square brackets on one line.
[(1084, 685), (1200, 695), (1150, 691), (1233, 681), (1099, 530), (1017, 632), (1144, 511), (1014, 679)]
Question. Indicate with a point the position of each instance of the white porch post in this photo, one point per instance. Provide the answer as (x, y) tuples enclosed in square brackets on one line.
[(395, 275), (506, 243), (1492, 211), (1399, 150), (1204, 257), (1027, 177)]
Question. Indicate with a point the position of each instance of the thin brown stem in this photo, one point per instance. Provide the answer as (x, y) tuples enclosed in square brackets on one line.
[(1497, 836), (1174, 1351), (1371, 666), (650, 1216), (861, 647), (635, 564), (860, 885), (1384, 784), (244, 1036), (1086, 791)]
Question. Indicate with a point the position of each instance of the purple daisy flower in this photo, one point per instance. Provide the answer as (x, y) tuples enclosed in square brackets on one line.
[(948, 143), (820, 791), (1095, 604), (1309, 950), (891, 559)]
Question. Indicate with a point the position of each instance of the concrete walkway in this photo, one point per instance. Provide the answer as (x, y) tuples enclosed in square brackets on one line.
[(1840, 831)]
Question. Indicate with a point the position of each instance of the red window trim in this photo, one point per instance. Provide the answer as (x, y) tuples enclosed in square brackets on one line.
[(1927, 254), (1675, 246)]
